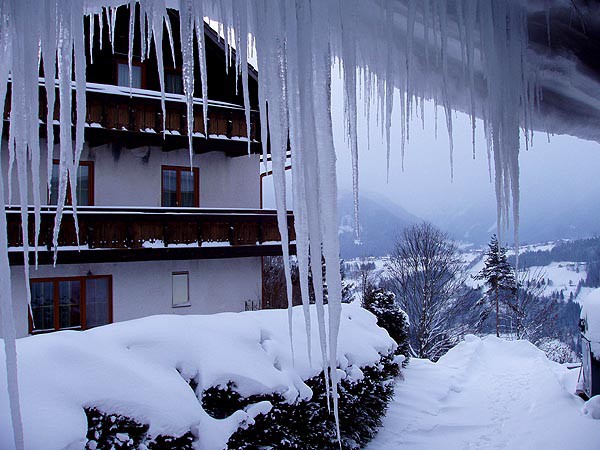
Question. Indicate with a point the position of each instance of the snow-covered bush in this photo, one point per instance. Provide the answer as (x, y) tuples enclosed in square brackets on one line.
[(117, 432), (308, 424), (140, 384), (383, 305), (557, 350), (591, 408)]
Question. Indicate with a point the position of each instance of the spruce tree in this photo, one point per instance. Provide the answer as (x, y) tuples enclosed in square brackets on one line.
[(499, 278), (383, 305)]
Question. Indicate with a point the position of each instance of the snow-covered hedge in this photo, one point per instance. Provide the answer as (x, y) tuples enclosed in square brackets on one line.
[(153, 371)]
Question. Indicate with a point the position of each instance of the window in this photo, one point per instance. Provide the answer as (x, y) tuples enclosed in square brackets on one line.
[(179, 187), (85, 184), (173, 82), (181, 289), (70, 303), (123, 75)]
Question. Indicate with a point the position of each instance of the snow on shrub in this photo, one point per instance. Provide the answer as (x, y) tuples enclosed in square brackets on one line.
[(557, 351), (390, 316), (307, 424), (591, 408), (149, 374)]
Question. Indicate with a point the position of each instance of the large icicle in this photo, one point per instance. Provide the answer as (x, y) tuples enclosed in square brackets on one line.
[(296, 86), (186, 24), (277, 113), (327, 194), (6, 300)]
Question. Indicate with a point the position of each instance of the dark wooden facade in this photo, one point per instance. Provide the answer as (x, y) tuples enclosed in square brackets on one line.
[(132, 118), (142, 234)]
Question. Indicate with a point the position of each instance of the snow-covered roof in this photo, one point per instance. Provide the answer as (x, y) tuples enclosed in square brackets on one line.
[(591, 314)]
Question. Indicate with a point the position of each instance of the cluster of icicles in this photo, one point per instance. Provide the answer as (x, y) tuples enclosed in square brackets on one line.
[(469, 56)]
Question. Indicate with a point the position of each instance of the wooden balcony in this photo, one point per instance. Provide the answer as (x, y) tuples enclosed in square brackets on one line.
[(113, 234), (116, 116)]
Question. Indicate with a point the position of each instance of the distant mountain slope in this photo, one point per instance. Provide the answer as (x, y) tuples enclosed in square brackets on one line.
[(579, 218), (380, 222)]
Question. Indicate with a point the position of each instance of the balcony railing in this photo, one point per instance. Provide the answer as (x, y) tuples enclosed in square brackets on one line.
[(114, 114), (146, 233)]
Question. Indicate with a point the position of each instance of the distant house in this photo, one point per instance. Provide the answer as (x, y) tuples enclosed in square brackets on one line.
[(156, 236), (589, 377)]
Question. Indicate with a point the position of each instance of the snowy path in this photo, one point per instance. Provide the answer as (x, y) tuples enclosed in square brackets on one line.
[(487, 394)]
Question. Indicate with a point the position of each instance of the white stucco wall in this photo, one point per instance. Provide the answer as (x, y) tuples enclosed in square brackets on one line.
[(124, 178), (144, 288)]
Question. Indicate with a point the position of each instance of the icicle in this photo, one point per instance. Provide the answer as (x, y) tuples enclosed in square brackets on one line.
[(186, 23), (132, 4), (6, 301), (156, 18), (101, 25), (242, 59), (202, 62), (171, 43), (111, 26), (328, 207), (91, 22), (297, 141), (49, 58), (547, 4), (80, 98), (65, 52), (350, 112)]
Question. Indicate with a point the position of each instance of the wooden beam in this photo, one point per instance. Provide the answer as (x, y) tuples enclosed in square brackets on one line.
[(149, 254)]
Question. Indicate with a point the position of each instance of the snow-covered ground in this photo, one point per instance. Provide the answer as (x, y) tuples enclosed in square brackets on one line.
[(488, 394), (564, 276)]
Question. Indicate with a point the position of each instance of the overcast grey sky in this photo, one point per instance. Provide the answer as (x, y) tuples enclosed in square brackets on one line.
[(566, 169)]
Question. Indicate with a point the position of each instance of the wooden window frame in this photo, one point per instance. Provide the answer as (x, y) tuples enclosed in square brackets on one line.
[(189, 302), (180, 169), (82, 301), (134, 62), (174, 71), (91, 182)]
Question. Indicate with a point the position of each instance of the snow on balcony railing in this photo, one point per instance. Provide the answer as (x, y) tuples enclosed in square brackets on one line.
[(136, 228), (118, 108)]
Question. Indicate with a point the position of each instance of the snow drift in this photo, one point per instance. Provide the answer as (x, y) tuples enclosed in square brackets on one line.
[(140, 369), (489, 393)]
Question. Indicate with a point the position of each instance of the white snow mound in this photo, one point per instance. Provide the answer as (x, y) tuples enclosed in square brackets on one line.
[(591, 408), (140, 369), (489, 394)]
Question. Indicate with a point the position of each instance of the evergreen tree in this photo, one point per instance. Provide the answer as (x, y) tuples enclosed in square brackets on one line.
[(499, 278), (383, 305)]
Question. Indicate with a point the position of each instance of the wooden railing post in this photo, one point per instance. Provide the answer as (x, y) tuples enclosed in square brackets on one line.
[(199, 231), (229, 125), (166, 235), (260, 238), (91, 238), (231, 234)]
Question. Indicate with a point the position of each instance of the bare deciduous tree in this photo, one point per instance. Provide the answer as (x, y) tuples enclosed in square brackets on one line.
[(530, 313), (426, 269)]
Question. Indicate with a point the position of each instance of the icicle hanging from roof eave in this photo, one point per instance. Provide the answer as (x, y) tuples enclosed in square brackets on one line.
[(410, 46)]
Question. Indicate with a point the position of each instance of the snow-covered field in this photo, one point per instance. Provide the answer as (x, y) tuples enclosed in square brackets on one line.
[(141, 369), (488, 394)]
